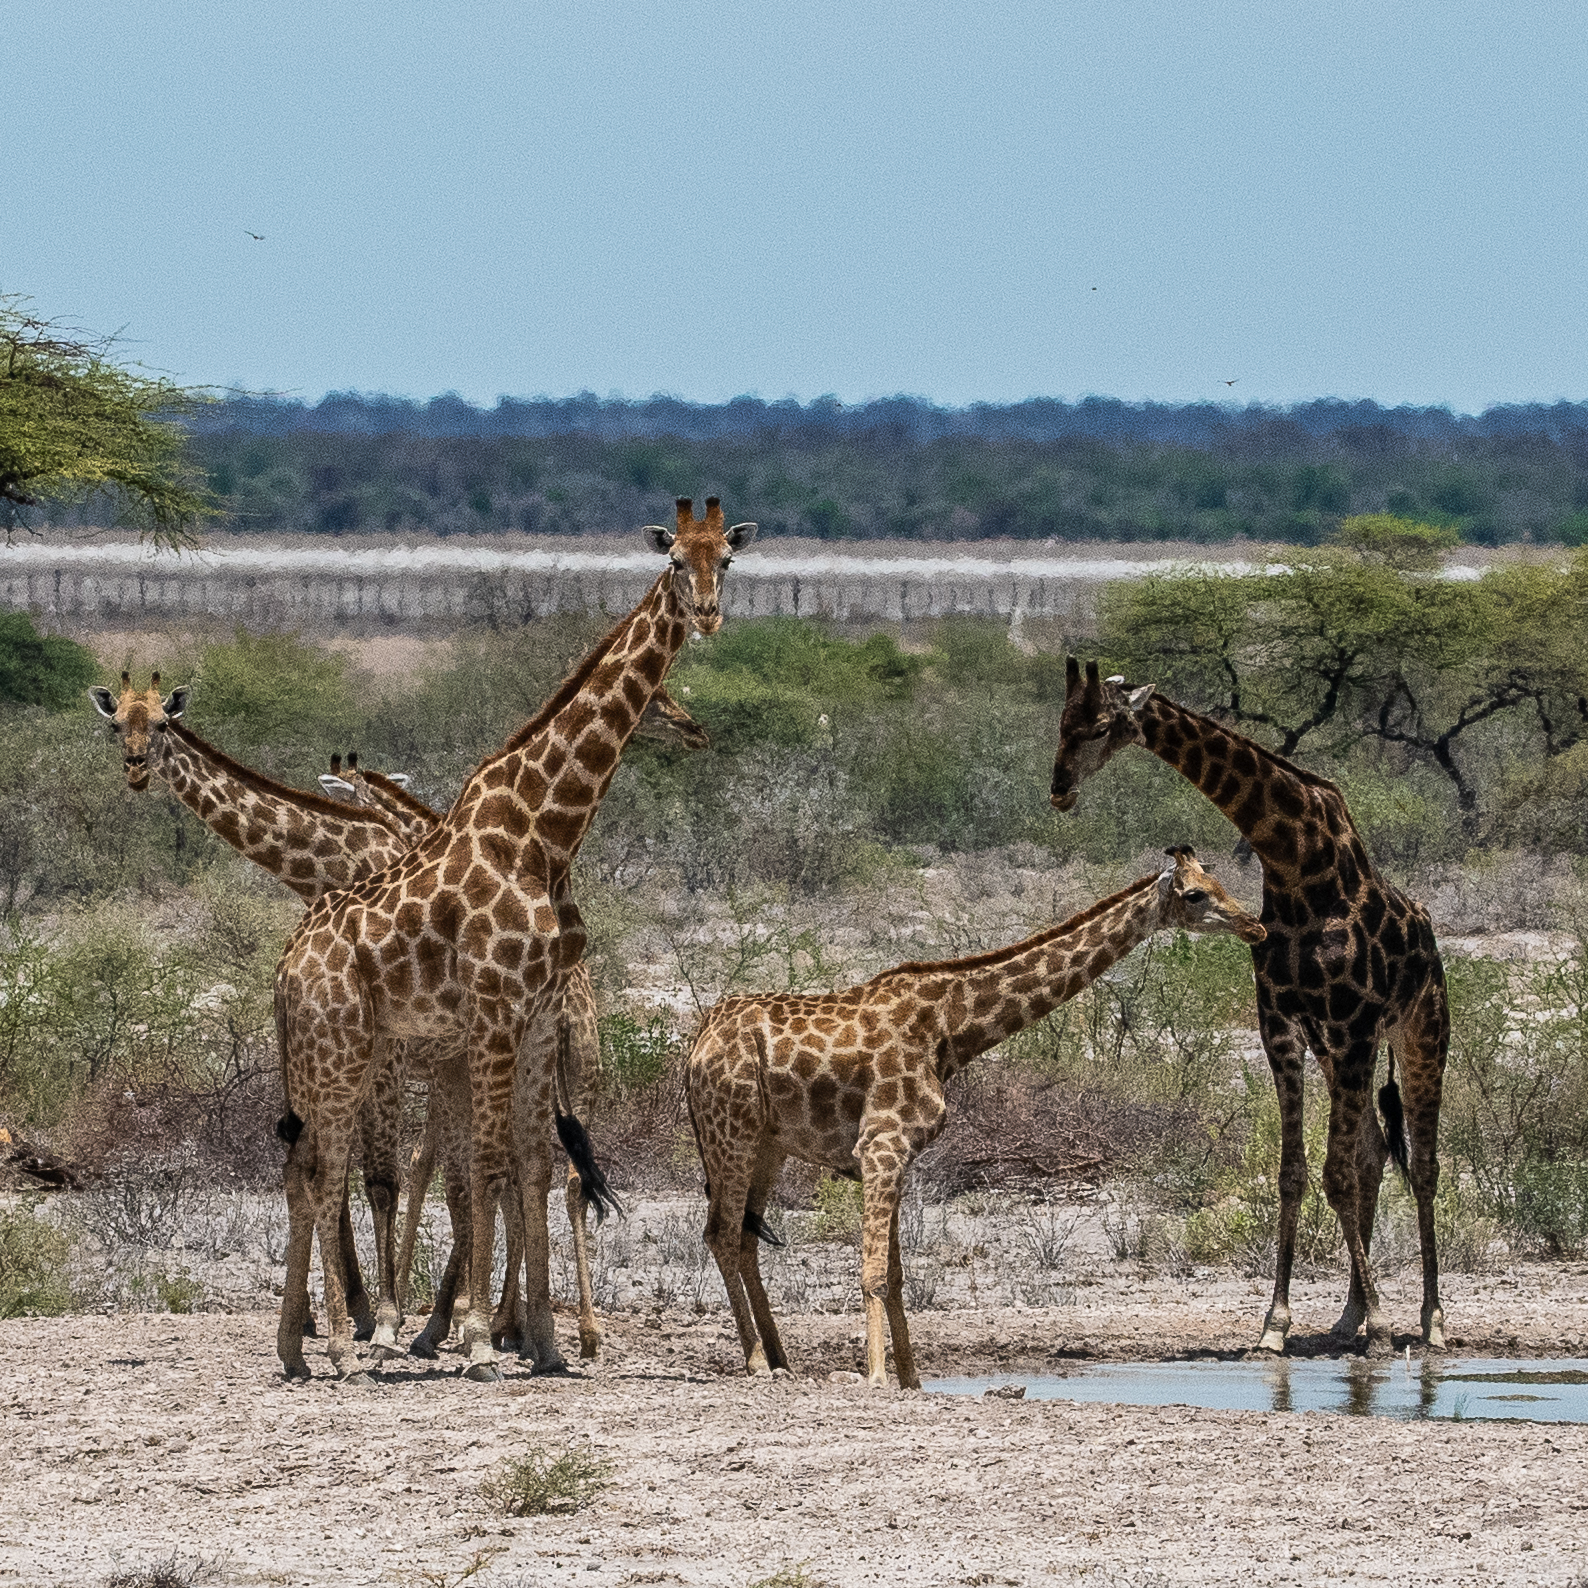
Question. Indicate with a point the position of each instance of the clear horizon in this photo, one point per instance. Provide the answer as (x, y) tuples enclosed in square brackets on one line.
[(1385, 201)]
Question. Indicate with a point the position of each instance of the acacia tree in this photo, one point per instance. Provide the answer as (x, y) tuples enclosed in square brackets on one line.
[(74, 423), (1352, 645)]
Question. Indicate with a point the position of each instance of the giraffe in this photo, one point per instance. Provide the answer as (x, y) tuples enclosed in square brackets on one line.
[(1349, 962), (854, 1081), (309, 843), (446, 1121), (472, 934)]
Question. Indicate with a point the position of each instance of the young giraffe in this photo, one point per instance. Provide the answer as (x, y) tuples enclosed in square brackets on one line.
[(473, 933), (856, 1079), (447, 1124), (1349, 962), (305, 841)]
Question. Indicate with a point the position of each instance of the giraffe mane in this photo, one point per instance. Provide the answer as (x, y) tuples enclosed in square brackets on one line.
[(268, 785), (917, 967), (568, 689), (398, 795), (1263, 753)]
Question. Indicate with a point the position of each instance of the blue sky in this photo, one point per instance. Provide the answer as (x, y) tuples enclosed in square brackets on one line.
[(961, 202)]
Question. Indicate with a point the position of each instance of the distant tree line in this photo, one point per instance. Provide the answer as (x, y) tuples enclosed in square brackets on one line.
[(899, 469)]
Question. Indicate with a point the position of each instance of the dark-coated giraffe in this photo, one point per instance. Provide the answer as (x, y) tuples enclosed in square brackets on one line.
[(473, 933), (1349, 963), (854, 1081)]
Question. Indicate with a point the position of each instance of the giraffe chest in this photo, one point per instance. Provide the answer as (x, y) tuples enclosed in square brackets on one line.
[(1346, 973)]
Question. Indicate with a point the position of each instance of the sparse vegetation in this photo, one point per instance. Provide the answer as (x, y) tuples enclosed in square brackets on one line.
[(540, 1483), (34, 1254)]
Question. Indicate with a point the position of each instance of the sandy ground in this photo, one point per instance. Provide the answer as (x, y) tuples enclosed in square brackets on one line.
[(130, 1437)]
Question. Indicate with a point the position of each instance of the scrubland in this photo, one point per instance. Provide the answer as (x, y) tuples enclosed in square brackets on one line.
[(1106, 1186)]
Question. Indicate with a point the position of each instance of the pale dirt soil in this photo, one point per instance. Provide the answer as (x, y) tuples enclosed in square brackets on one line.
[(131, 1436)]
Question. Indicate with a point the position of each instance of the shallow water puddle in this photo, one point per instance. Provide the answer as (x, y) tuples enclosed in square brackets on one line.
[(1541, 1391)]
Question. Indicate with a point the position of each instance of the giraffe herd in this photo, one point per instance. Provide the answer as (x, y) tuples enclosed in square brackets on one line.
[(447, 948)]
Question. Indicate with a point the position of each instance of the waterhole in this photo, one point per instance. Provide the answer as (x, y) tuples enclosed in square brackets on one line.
[(1543, 1391)]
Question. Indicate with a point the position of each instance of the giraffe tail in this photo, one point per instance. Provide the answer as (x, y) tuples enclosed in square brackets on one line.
[(594, 1191), (1389, 1103), (290, 1126)]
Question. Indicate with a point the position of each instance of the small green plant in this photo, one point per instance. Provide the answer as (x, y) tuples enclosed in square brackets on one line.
[(540, 1484), (177, 1292), (798, 1576), (33, 1257), (839, 1206), (634, 1057)]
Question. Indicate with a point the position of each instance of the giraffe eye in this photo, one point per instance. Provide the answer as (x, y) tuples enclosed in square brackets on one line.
[(1195, 896)]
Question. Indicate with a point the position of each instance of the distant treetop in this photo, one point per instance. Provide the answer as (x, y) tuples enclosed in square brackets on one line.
[(897, 419)]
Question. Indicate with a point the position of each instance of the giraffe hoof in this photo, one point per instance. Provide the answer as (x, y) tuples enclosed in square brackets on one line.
[(483, 1373), (1272, 1343), (357, 1381), (422, 1347), (296, 1370)]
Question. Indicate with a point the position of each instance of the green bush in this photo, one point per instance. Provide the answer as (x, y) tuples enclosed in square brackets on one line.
[(634, 1056), (41, 670), (33, 1264)]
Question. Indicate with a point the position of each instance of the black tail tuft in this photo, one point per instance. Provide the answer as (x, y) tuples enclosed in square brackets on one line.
[(289, 1127), (760, 1229), (1389, 1105), (593, 1187)]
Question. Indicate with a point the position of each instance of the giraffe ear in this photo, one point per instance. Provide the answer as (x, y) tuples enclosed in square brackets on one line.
[(1137, 698), (104, 701), (338, 786), (176, 702), (741, 535), (658, 537)]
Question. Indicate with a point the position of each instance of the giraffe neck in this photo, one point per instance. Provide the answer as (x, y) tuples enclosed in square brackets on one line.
[(990, 997), (546, 786), (1288, 816), (311, 844)]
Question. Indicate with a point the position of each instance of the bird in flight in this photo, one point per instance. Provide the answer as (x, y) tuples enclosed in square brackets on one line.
[(255, 235), (1231, 382)]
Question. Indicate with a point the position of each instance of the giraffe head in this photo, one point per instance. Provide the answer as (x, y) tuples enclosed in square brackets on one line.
[(138, 717), (701, 550), (1099, 718), (1191, 899)]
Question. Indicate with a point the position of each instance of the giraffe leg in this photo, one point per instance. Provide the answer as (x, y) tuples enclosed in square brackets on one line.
[(454, 1276), (380, 1124), (1351, 1078), (767, 1169), (724, 1234), (510, 1321), (589, 1329), (1372, 1153), (898, 1326), (1421, 1053), (325, 1184), (583, 1064), (358, 1302), (883, 1161), (533, 1130), (300, 1245), (1286, 1050), (421, 1172)]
